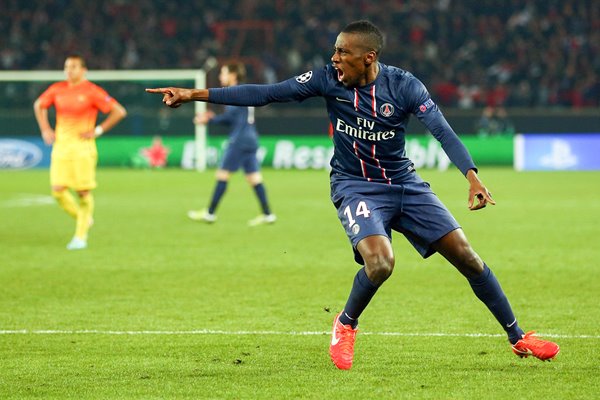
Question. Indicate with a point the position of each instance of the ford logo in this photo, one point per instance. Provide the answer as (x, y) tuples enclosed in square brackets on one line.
[(18, 154)]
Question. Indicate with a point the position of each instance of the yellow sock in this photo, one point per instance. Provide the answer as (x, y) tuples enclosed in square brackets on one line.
[(67, 202), (84, 217)]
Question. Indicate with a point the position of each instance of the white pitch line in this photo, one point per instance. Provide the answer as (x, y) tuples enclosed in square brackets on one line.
[(279, 333), (28, 200)]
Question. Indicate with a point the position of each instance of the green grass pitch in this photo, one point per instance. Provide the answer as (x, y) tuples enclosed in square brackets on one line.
[(162, 307)]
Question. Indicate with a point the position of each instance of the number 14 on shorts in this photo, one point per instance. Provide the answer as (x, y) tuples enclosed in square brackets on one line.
[(361, 209)]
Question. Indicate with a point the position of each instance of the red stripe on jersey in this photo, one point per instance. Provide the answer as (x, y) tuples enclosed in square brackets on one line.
[(373, 101), (362, 163), (355, 99), (389, 181)]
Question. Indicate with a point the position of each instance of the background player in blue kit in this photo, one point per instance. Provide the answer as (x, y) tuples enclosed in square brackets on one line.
[(240, 152), (374, 185)]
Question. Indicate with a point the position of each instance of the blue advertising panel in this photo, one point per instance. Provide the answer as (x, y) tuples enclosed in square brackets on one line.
[(23, 153), (559, 151)]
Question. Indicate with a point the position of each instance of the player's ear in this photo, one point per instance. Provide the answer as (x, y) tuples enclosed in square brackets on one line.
[(370, 57)]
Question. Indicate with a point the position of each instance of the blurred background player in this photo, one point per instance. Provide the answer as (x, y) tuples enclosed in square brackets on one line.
[(74, 154), (241, 151)]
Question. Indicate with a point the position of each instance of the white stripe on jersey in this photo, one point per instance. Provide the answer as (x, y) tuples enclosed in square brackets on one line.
[(362, 163), (374, 101), (389, 181)]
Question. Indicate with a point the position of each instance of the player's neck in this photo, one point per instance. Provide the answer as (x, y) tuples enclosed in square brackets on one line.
[(371, 74), (76, 82)]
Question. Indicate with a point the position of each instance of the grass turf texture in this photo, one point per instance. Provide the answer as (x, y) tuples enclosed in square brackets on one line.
[(148, 268)]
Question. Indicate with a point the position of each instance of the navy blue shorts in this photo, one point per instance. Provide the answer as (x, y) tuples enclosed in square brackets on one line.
[(411, 208), (234, 158)]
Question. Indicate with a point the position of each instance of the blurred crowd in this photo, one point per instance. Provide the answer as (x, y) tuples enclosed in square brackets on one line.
[(470, 53)]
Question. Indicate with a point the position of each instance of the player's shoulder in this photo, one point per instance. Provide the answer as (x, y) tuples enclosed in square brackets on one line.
[(320, 80), (51, 92), (97, 91), (404, 81), (59, 85), (322, 74), (397, 76), (330, 75), (89, 85)]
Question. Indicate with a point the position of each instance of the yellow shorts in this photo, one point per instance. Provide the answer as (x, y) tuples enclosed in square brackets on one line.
[(77, 174)]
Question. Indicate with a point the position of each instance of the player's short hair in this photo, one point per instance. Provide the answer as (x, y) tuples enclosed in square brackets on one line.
[(79, 57), (373, 39), (238, 69)]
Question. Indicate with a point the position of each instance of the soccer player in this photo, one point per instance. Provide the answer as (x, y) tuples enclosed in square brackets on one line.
[(241, 151), (74, 154), (374, 186)]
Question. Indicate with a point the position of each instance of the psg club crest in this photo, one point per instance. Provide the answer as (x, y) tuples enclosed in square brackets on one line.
[(305, 77), (387, 110)]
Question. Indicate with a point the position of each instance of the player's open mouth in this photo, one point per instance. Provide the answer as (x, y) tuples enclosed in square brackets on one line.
[(340, 74)]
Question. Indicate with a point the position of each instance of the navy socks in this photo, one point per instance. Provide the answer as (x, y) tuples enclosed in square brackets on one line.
[(488, 290), (262, 197), (221, 187), (216, 197), (362, 292)]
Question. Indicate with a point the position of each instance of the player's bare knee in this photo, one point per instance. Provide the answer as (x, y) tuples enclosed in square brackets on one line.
[(379, 267), (222, 175), (254, 178), (471, 264)]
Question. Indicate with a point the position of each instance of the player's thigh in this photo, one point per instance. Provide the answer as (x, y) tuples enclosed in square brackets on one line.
[(232, 159), (85, 173), (424, 219), (362, 211), (250, 162), (62, 172)]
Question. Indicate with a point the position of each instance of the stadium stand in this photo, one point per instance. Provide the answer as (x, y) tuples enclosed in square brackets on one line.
[(471, 53)]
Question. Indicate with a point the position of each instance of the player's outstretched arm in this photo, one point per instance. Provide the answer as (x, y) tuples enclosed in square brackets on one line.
[(478, 190), (174, 97), (245, 95)]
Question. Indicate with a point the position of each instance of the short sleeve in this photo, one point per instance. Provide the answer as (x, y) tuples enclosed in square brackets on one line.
[(47, 98), (102, 100)]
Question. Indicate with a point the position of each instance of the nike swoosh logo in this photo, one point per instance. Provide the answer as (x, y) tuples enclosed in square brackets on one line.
[(334, 340), (344, 100), (511, 324)]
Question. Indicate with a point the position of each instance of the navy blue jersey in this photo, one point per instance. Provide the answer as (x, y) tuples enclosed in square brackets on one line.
[(241, 121), (369, 122)]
